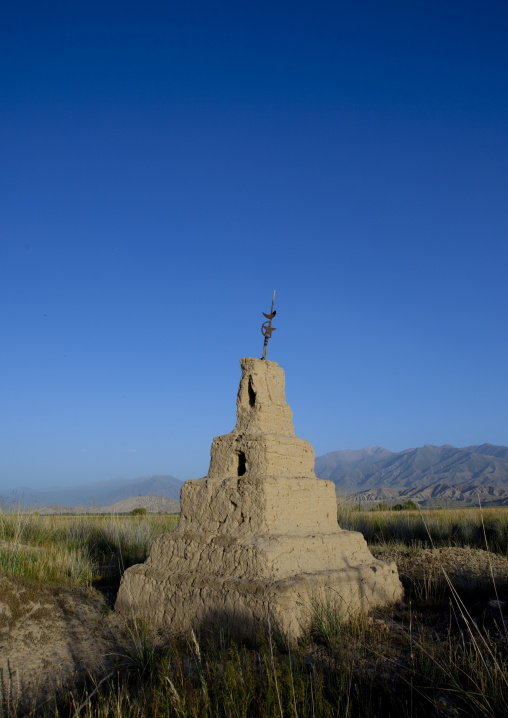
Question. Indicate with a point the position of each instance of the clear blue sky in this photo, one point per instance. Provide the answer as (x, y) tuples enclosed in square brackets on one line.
[(164, 166)]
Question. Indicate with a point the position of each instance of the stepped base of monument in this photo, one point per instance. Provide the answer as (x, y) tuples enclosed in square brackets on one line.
[(180, 602), (270, 555)]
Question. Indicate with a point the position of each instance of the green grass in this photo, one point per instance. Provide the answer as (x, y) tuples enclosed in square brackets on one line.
[(57, 565), (74, 550)]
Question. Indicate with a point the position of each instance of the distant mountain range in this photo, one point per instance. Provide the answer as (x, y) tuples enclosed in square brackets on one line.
[(429, 475), (98, 493)]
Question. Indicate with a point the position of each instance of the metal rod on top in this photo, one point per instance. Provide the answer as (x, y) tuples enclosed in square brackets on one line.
[(266, 328)]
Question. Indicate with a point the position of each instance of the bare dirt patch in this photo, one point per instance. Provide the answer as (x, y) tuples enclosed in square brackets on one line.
[(454, 591), (467, 568), (49, 637)]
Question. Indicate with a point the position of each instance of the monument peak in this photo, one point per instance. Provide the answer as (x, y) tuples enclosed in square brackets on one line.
[(258, 537)]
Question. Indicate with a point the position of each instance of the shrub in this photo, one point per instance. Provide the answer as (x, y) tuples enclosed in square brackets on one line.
[(409, 506)]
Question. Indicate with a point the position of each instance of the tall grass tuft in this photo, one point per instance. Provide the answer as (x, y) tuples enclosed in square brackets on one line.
[(448, 527), (70, 549)]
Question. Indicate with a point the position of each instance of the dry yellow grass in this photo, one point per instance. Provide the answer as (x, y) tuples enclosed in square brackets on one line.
[(473, 527)]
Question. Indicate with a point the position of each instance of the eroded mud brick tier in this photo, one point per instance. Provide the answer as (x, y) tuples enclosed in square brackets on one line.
[(258, 538)]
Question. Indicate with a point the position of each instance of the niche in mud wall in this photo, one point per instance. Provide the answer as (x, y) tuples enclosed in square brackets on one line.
[(252, 393), (242, 463)]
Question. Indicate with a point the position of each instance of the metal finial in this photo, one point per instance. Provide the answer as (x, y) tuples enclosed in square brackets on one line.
[(266, 328)]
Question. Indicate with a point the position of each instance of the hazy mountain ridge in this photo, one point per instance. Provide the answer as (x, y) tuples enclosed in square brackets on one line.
[(96, 494), (374, 467), (428, 474), (355, 460)]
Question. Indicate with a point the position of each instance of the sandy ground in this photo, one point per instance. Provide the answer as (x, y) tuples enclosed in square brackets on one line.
[(50, 636)]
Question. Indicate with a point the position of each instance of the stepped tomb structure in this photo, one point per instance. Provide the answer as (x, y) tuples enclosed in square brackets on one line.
[(258, 541)]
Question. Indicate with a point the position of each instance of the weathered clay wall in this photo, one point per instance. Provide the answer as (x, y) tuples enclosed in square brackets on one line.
[(258, 537), (261, 402), (257, 505)]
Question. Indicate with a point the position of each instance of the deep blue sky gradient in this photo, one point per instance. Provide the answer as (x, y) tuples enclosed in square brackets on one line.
[(164, 166)]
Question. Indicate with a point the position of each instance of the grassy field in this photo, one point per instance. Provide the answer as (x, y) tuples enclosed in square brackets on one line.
[(474, 527), (76, 550), (441, 653)]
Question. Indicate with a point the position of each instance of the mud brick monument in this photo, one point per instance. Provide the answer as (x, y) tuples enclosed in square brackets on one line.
[(258, 540)]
